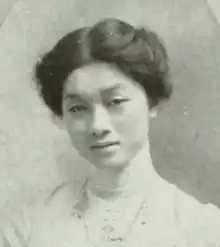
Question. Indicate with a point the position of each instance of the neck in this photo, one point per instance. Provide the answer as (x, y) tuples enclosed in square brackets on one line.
[(137, 178)]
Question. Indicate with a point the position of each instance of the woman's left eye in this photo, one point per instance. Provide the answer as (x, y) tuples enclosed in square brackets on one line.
[(117, 101)]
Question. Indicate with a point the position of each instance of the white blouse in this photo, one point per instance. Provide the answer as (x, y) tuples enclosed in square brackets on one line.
[(168, 218)]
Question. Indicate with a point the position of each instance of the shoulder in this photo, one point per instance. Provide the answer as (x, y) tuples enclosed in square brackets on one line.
[(57, 205), (199, 222), (16, 228)]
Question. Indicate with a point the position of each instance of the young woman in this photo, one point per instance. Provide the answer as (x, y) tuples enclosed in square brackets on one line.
[(103, 83)]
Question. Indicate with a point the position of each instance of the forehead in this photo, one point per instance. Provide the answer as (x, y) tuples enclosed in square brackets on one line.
[(96, 78)]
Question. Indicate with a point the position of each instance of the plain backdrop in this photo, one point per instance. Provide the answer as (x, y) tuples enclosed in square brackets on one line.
[(35, 155)]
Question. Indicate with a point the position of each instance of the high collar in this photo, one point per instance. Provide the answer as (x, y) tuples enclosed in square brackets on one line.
[(137, 178)]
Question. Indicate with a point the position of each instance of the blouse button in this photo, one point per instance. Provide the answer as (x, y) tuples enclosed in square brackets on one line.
[(108, 228), (77, 215)]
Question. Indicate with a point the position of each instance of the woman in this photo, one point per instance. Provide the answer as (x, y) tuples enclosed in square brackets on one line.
[(102, 83)]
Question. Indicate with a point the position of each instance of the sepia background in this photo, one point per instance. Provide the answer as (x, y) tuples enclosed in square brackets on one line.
[(35, 155)]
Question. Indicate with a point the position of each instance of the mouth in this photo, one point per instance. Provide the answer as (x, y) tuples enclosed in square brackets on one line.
[(104, 145)]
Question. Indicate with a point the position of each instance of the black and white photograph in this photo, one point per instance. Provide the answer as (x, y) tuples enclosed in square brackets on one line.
[(110, 123)]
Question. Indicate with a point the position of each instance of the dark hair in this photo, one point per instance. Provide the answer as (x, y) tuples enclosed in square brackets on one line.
[(137, 52)]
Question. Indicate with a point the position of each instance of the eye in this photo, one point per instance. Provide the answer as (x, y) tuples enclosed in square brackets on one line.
[(117, 101), (77, 108)]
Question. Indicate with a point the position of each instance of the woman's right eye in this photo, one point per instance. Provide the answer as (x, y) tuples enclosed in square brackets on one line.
[(77, 108)]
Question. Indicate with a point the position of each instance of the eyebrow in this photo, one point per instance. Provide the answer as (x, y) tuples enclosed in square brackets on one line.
[(70, 96), (105, 90)]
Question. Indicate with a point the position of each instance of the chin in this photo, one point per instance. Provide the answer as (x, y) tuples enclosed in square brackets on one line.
[(117, 161), (111, 163)]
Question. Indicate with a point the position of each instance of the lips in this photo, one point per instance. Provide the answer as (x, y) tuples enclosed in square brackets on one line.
[(104, 145)]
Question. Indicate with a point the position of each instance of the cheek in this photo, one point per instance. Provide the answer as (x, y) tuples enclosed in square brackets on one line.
[(133, 121), (77, 130)]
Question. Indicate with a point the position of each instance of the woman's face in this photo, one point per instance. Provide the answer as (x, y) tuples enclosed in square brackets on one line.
[(105, 114)]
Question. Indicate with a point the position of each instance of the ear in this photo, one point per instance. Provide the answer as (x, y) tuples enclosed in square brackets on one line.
[(58, 121), (153, 112)]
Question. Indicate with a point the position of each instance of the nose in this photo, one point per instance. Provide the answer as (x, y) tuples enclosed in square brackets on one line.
[(101, 122)]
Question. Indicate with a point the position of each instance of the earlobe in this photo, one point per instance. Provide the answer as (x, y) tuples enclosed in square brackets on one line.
[(58, 121), (153, 113)]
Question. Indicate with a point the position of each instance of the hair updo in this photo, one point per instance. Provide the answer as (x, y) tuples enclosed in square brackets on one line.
[(137, 52)]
